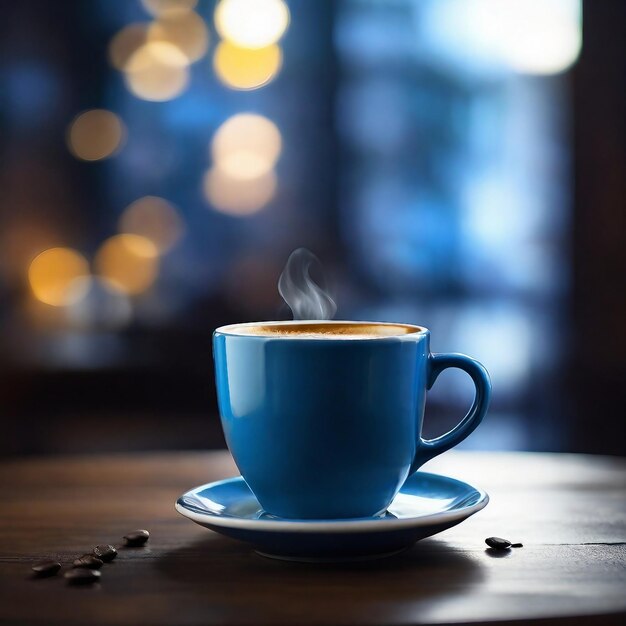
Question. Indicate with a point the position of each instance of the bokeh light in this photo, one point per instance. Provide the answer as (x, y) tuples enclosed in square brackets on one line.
[(252, 23), (22, 238), (238, 197), (244, 68), (157, 71), (155, 219), (246, 146), (53, 273), (186, 31), (540, 36), (129, 263), (159, 8), (95, 134), (125, 43)]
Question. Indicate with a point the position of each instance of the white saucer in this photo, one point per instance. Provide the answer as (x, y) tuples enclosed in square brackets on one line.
[(426, 505)]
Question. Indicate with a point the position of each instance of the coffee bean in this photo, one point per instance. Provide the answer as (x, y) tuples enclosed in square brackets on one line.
[(137, 538), (46, 568), (105, 553), (88, 561), (82, 576), (497, 543), (517, 545)]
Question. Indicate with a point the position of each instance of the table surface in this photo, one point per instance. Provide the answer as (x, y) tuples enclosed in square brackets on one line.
[(568, 510)]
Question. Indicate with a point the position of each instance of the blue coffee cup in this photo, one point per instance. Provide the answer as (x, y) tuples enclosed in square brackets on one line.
[(324, 419)]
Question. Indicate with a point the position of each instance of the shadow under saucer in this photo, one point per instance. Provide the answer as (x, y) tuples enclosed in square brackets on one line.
[(223, 567)]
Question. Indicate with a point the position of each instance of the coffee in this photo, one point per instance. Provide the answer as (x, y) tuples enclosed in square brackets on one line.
[(316, 330)]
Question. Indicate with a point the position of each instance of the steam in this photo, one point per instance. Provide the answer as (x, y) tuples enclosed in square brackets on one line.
[(306, 299)]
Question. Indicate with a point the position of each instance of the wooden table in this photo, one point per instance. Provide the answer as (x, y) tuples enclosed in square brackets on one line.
[(569, 511)]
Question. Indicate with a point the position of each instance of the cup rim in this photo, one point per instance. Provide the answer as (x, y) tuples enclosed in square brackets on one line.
[(231, 330)]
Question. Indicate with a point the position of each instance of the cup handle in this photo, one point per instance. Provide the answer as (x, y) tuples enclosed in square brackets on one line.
[(429, 448)]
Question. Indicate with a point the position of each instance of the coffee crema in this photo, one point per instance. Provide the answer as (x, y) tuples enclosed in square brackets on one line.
[(329, 330)]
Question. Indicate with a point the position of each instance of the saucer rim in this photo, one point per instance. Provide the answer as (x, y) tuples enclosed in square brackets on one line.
[(338, 526)]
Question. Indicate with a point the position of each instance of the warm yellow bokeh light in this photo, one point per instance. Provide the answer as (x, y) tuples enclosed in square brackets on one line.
[(53, 273), (129, 263), (252, 23), (22, 237), (236, 196), (186, 31), (155, 219), (157, 71), (246, 146), (125, 43), (159, 8), (243, 68), (160, 52), (95, 134)]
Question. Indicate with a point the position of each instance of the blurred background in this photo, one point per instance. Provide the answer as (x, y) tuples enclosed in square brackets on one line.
[(458, 164)]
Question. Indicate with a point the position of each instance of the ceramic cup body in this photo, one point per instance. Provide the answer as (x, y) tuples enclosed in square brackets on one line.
[(327, 428)]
